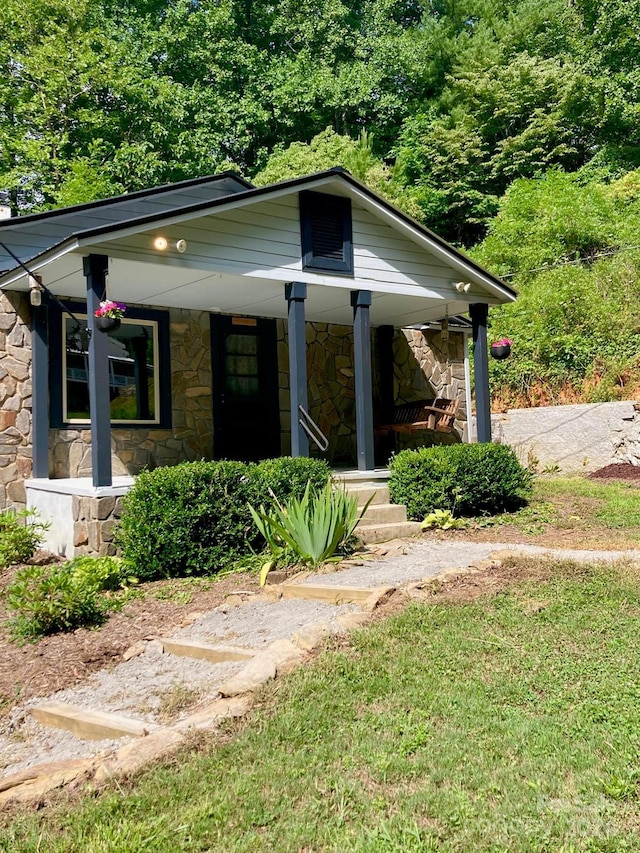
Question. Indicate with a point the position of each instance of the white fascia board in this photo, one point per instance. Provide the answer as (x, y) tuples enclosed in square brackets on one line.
[(467, 272), (38, 263)]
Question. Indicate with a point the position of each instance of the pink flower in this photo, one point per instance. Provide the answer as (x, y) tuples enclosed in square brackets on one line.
[(109, 308), (503, 342)]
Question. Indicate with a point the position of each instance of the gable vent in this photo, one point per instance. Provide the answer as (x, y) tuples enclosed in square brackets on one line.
[(326, 232)]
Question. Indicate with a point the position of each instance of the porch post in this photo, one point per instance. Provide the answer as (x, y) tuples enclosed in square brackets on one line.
[(40, 389), (361, 301), (95, 270), (295, 293), (479, 312)]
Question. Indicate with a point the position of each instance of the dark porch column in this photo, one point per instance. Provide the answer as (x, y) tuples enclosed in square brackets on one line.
[(479, 313), (95, 270), (361, 301), (40, 389), (296, 293)]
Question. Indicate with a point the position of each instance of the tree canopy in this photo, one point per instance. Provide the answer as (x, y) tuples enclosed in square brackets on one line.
[(514, 124)]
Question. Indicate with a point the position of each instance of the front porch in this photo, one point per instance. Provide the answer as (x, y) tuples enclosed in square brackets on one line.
[(246, 309)]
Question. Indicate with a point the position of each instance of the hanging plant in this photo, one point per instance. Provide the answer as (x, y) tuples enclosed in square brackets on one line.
[(501, 349), (109, 315)]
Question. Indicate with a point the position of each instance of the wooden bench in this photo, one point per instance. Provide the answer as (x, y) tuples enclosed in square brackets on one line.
[(437, 415)]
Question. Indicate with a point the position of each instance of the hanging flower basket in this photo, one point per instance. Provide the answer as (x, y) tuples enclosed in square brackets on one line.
[(501, 349), (108, 316), (107, 324)]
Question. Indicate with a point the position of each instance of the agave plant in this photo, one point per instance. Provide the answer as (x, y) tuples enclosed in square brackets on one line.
[(312, 527)]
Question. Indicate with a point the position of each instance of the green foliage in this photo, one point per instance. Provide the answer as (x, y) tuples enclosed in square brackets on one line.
[(466, 479), (192, 518), (443, 519), (575, 324), (313, 527), (288, 476), (103, 573), (20, 535), (49, 599)]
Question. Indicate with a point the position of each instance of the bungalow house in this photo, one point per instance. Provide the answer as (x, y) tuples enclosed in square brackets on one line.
[(259, 322)]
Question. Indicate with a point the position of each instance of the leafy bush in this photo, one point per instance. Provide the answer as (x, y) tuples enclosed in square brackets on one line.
[(313, 527), (20, 535), (287, 477), (193, 518), (48, 599), (467, 479)]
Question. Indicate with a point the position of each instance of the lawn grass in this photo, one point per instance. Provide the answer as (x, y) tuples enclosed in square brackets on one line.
[(603, 515), (506, 722)]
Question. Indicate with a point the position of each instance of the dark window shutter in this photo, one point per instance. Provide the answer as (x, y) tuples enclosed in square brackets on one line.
[(326, 233)]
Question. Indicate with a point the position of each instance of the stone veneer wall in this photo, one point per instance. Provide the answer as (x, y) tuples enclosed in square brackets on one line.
[(424, 366), (15, 398), (427, 366), (94, 520)]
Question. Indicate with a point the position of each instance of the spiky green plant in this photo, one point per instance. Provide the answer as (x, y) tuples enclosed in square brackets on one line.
[(314, 528)]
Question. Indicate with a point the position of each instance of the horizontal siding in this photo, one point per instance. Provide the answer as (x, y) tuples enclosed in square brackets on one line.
[(264, 240)]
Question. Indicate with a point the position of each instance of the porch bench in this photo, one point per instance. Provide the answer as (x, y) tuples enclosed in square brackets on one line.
[(437, 415)]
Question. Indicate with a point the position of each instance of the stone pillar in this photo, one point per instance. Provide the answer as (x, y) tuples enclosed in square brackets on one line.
[(15, 398)]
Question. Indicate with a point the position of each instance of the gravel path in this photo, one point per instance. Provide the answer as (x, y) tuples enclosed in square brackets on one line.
[(136, 688), (424, 559)]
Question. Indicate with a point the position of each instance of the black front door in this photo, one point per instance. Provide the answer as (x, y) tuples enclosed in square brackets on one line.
[(246, 416)]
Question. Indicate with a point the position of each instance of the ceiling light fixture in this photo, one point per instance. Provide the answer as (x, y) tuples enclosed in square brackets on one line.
[(161, 244)]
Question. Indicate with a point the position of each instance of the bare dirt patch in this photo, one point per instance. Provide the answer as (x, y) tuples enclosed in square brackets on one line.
[(63, 660)]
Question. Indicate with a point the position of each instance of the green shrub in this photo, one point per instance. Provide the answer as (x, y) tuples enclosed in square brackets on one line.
[(287, 477), (48, 599), (20, 535), (193, 518), (467, 479)]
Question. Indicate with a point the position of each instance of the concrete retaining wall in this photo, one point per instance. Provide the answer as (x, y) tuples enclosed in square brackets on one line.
[(581, 437)]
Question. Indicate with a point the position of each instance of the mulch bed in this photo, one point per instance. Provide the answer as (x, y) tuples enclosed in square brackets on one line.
[(617, 471), (63, 660)]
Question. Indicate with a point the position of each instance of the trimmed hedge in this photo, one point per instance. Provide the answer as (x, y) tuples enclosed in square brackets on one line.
[(193, 518), (467, 479)]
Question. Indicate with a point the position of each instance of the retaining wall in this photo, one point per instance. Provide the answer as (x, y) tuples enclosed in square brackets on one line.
[(581, 437)]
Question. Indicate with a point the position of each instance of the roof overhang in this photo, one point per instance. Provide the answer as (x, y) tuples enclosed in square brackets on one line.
[(179, 280)]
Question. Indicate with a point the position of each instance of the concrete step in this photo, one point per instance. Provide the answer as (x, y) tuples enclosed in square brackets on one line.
[(384, 514), (372, 533), (379, 494), (89, 725), (204, 651)]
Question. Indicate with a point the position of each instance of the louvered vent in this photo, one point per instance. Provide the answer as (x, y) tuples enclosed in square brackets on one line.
[(325, 222), (326, 233)]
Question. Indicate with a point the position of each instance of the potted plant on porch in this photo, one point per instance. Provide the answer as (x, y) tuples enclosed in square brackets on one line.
[(501, 349), (109, 315)]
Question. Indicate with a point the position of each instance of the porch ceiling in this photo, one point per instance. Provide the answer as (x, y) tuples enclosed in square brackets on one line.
[(172, 282)]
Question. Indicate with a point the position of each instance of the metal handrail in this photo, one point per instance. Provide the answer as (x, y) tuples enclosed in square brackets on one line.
[(312, 429)]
